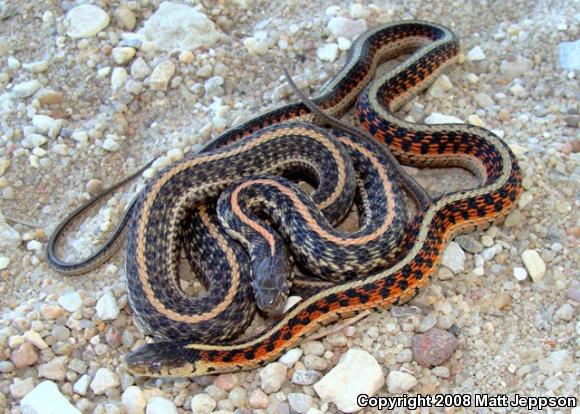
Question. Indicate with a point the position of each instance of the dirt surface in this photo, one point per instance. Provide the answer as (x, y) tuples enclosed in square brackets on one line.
[(515, 334)]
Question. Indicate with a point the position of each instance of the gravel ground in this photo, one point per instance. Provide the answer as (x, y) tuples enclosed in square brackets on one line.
[(84, 101)]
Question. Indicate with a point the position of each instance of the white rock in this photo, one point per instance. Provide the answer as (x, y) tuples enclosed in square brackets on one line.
[(343, 43), (177, 26), (25, 89), (454, 258), (291, 357), (107, 309), (104, 72), (399, 382), (161, 76), (122, 55), (535, 265), (483, 100), (160, 405), (565, 312), (328, 52), (46, 125), (119, 78), (134, 400), (13, 63), (202, 404), (299, 402), (256, 46), (36, 67), (35, 339), (85, 21), (140, 69), (55, 369), (515, 66), (556, 362), (213, 86), (110, 144), (343, 27), (80, 136), (70, 302), (356, 373), (4, 262), (437, 118), (9, 238), (525, 199), (520, 273), (569, 55), (552, 383), (272, 377), (358, 11), (21, 387), (518, 90), (46, 398), (104, 379), (476, 54), (125, 17), (82, 385), (441, 85)]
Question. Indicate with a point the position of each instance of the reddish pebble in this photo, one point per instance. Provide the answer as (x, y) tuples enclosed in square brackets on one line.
[(24, 356), (226, 382), (258, 399), (433, 347), (113, 338)]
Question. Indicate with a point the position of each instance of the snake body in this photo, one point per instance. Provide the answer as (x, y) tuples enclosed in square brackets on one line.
[(158, 212), (164, 206)]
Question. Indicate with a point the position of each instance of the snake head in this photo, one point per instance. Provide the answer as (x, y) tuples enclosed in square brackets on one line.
[(164, 359), (270, 283)]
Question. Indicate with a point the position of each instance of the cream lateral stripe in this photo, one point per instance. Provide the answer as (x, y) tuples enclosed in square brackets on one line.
[(152, 194), (249, 222), (308, 217), (414, 251)]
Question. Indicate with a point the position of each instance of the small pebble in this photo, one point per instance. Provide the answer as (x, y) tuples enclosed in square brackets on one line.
[(160, 405), (400, 382), (534, 264), (565, 313), (258, 399), (103, 380), (437, 118), (204, 404), (54, 370), (24, 356), (107, 308), (520, 273), (81, 386), (122, 55), (85, 21), (25, 89), (347, 28), (476, 54), (328, 52), (299, 402), (291, 357), (272, 377), (21, 387), (161, 76), (434, 347), (305, 377), (454, 258)]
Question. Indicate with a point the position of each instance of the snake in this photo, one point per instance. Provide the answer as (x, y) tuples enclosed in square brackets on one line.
[(431, 49)]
